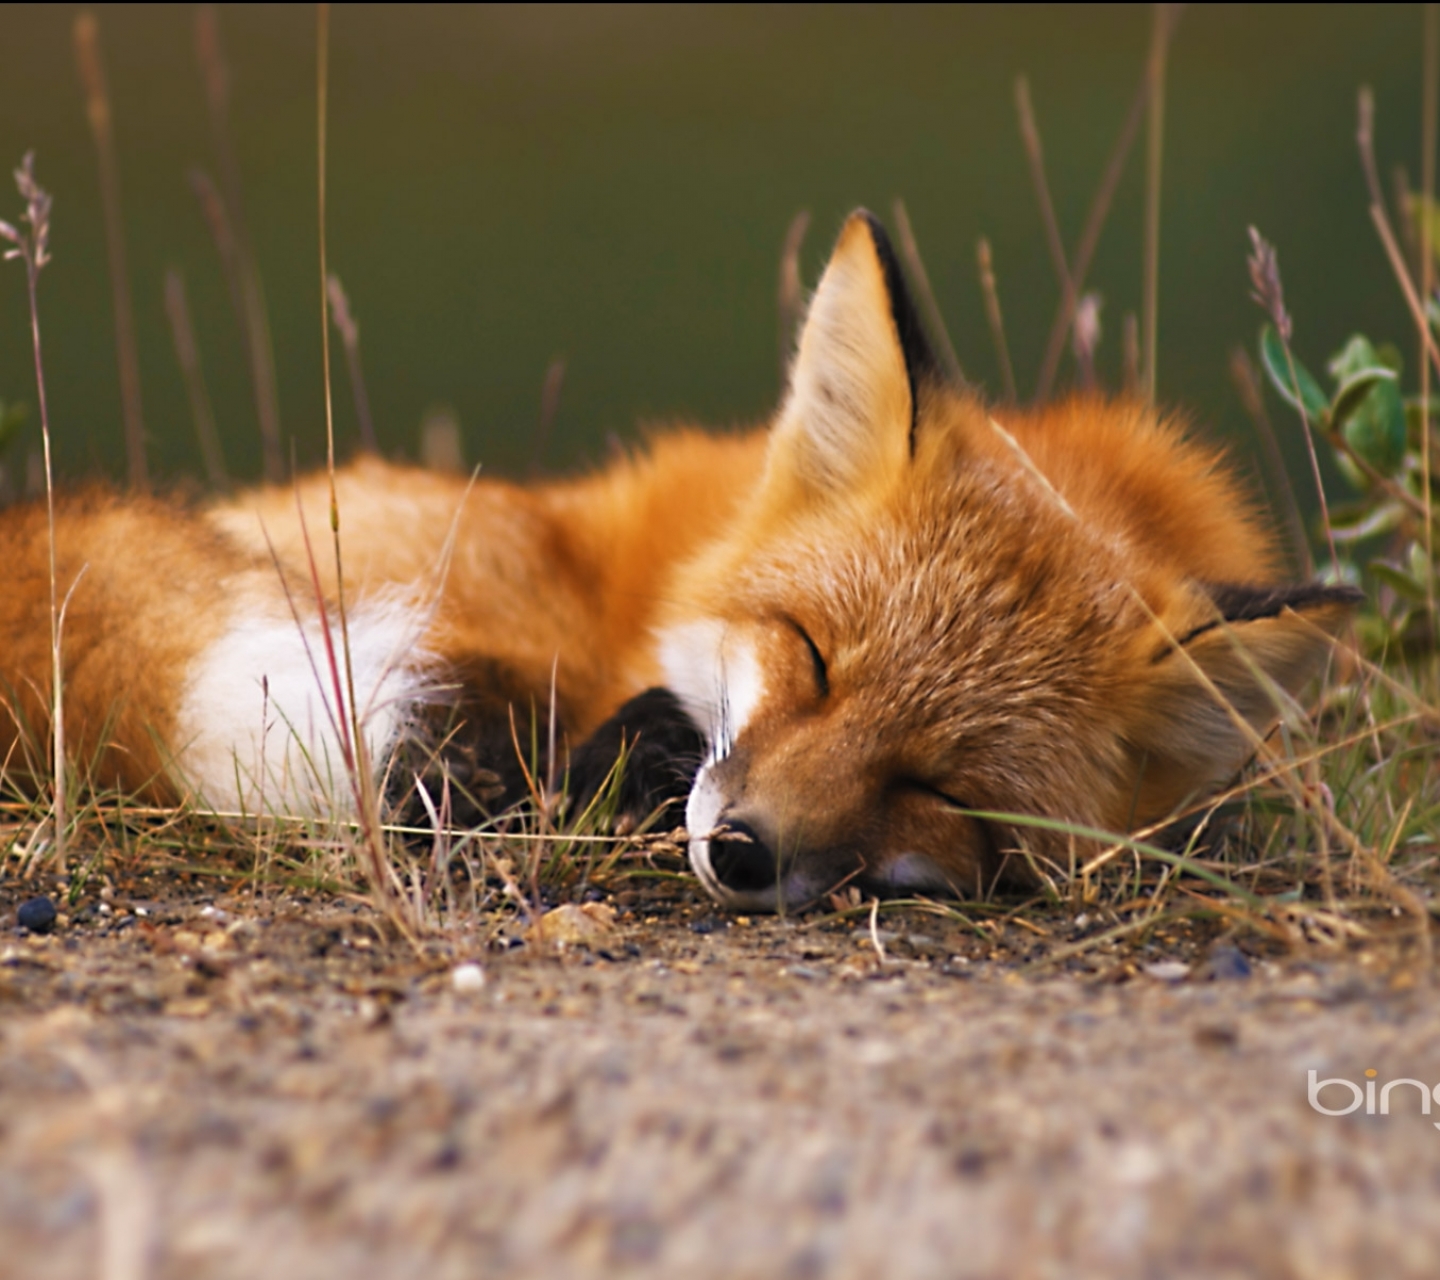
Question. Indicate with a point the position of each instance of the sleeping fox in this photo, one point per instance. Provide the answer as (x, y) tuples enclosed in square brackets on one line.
[(841, 635)]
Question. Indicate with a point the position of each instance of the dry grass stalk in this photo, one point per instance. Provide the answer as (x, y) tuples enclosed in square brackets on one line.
[(550, 388), (350, 339), (358, 764), (1035, 155), (247, 292), (1365, 140), (1267, 290), (97, 107), (1086, 338), (910, 249), (1429, 112), (1247, 384), (33, 249), (1094, 224), (187, 355), (1130, 354), (790, 294), (996, 319), (1155, 151)]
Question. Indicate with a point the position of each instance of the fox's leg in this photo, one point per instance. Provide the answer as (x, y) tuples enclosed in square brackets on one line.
[(657, 747), (482, 742)]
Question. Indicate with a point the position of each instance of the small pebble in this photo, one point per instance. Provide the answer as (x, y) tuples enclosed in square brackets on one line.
[(37, 915), (1226, 961), (1168, 970), (467, 978)]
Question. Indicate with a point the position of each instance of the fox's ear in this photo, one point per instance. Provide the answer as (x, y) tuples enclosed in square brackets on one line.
[(850, 410), (1258, 648)]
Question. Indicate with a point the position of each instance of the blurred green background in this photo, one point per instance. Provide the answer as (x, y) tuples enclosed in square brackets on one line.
[(613, 185)]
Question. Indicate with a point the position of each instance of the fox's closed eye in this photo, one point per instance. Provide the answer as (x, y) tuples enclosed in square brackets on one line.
[(817, 659), (934, 793)]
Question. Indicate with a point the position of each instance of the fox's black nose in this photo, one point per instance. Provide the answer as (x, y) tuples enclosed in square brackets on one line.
[(741, 860)]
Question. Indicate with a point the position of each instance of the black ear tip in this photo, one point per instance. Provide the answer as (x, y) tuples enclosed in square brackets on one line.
[(920, 362), (883, 245), (1244, 602), (1345, 594)]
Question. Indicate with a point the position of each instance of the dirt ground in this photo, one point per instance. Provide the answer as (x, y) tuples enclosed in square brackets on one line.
[(199, 1085)]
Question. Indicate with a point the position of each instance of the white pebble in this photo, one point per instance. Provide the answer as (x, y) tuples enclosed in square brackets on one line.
[(465, 978), (1168, 970)]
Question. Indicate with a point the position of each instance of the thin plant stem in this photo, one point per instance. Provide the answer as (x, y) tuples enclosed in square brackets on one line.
[(789, 295), (1269, 291), (187, 355), (1247, 384), (358, 759), (550, 388), (921, 279), (991, 292), (212, 209), (248, 291), (1095, 222), (1405, 203), (33, 249), (1407, 285), (1085, 339), (349, 328), (1155, 151), (1430, 108), (1365, 141), (1129, 354), (97, 106), (1035, 154)]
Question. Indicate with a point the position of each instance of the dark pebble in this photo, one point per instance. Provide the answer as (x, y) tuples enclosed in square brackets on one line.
[(1226, 961), (37, 915)]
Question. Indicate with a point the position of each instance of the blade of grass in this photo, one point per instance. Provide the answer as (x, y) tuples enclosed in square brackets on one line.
[(1247, 385), (1264, 267), (33, 249), (349, 328), (1154, 155), (997, 321), (1095, 224), (1035, 156), (187, 355), (248, 291), (1429, 111), (550, 388), (97, 107), (789, 297)]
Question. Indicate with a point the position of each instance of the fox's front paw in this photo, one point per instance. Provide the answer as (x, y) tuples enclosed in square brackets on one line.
[(653, 746)]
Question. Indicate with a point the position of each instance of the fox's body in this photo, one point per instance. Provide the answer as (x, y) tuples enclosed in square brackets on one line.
[(892, 608)]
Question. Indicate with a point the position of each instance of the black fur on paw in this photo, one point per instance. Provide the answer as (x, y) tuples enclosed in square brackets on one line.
[(465, 753), (662, 748)]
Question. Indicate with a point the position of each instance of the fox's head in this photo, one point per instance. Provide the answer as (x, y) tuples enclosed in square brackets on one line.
[(926, 611)]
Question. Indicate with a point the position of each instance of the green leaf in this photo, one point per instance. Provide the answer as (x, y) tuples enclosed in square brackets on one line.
[(1388, 354), (1353, 389), (1373, 419), (1356, 354), (1355, 521), (1397, 580), (1419, 562), (1311, 401)]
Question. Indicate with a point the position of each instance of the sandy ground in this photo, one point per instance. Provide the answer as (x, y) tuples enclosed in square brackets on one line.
[(217, 1088)]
